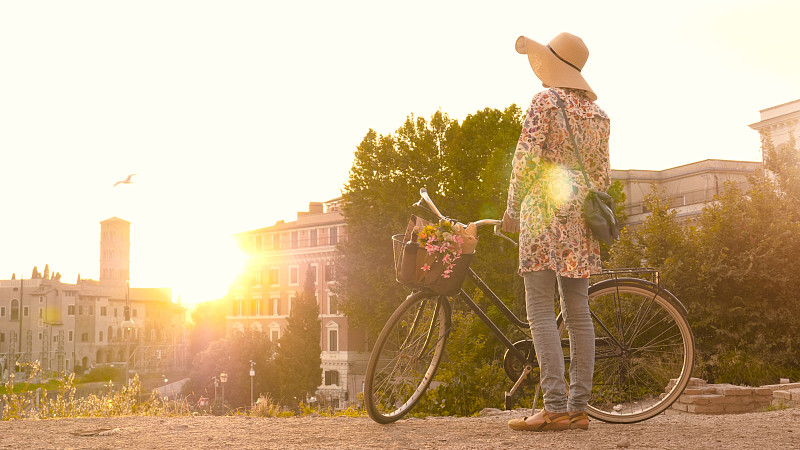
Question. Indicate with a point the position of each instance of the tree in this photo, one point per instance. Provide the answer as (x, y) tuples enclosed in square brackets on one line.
[(298, 360), (233, 355), (735, 271), (208, 325), (465, 167)]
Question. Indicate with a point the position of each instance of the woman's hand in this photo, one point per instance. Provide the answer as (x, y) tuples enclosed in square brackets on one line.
[(510, 225)]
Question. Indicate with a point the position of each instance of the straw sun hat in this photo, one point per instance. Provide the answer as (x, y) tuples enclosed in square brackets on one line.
[(559, 63)]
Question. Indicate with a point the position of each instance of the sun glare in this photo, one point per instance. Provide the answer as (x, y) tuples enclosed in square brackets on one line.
[(200, 273)]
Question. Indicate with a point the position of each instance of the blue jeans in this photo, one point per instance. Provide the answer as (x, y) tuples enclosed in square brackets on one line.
[(539, 293)]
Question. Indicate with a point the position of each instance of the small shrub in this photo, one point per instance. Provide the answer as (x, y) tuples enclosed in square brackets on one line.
[(267, 407)]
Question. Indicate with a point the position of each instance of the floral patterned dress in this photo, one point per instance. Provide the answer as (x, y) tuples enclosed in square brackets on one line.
[(547, 188)]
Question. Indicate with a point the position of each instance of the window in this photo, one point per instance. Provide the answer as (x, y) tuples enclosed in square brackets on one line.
[(274, 335), (295, 239), (333, 304), (312, 238), (24, 311), (40, 336), (274, 309), (2, 311), (41, 313), (276, 241), (103, 310), (115, 312), (333, 236), (313, 269), (256, 278), (329, 272), (331, 378), (237, 307), (274, 275), (333, 340), (80, 310), (101, 337), (41, 299), (292, 299), (70, 335), (2, 337), (262, 307), (133, 313), (85, 337), (71, 310), (293, 276), (254, 307), (14, 309)]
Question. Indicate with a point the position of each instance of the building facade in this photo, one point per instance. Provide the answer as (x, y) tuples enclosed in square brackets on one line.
[(73, 327), (779, 122), (279, 259), (688, 187)]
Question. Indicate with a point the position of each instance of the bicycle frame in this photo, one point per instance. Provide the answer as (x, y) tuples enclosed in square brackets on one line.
[(625, 299), (490, 294), (485, 318)]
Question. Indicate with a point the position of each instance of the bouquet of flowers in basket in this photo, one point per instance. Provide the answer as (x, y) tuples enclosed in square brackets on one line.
[(444, 242)]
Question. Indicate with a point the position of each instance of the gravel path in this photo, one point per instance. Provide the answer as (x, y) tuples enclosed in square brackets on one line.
[(766, 430)]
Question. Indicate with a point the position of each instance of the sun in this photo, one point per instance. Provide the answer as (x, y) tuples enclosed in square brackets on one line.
[(197, 269)]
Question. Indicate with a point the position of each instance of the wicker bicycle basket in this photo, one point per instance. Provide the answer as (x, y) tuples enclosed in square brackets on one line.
[(409, 259)]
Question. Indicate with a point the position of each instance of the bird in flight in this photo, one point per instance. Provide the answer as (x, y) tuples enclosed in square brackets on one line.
[(125, 181)]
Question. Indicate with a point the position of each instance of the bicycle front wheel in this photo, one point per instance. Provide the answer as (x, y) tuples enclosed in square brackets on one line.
[(644, 350), (406, 356)]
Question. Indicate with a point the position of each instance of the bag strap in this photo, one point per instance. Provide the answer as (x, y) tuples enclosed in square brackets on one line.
[(572, 136)]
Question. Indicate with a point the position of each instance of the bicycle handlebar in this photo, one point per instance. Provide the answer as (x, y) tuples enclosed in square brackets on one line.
[(423, 193)]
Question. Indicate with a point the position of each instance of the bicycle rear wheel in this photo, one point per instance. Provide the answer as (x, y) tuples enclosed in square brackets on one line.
[(406, 356), (644, 350)]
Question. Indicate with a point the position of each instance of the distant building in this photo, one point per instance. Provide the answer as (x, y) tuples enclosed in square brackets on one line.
[(279, 257), (688, 188), (779, 122), (691, 186), (64, 326)]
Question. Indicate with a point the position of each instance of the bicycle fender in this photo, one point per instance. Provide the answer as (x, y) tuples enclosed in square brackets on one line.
[(655, 288)]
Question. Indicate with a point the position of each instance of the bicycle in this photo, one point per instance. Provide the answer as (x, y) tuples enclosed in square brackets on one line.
[(644, 345)]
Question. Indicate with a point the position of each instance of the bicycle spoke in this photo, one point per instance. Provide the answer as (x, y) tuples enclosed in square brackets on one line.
[(636, 357)]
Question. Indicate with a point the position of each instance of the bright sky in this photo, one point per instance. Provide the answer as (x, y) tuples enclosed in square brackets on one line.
[(235, 114)]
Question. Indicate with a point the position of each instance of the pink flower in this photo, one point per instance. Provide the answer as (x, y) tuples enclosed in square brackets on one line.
[(426, 268)]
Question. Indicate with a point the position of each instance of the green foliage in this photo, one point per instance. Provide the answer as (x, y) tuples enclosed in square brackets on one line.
[(465, 167), (298, 359), (735, 271), (471, 376), (267, 407), (208, 325), (233, 355), (120, 402), (617, 192), (103, 373)]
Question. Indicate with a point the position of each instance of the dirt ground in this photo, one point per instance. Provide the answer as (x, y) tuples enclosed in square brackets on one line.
[(766, 430)]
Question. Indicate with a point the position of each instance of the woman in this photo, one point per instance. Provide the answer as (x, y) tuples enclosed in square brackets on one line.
[(545, 203)]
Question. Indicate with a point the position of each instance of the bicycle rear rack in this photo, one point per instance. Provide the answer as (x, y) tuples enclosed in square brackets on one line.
[(635, 272)]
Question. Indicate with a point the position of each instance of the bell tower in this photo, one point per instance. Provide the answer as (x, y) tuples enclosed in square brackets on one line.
[(115, 251)]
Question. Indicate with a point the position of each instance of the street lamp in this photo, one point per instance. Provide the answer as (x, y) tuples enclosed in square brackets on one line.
[(216, 385), (252, 374), (127, 325), (223, 378), (166, 386)]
